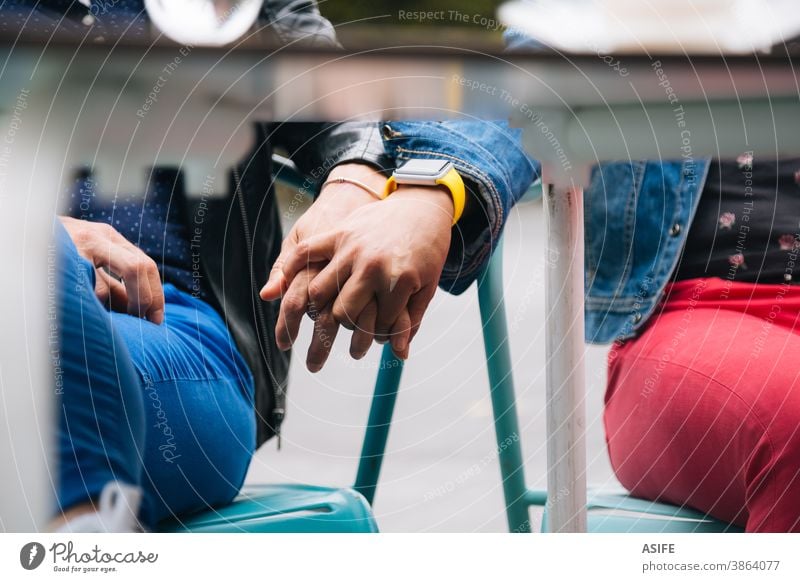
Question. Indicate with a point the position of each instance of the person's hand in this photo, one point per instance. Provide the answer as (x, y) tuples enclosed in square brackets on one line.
[(139, 292), (333, 205), (383, 264)]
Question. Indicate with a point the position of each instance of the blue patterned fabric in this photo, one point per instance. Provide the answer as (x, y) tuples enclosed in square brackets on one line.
[(152, 222)]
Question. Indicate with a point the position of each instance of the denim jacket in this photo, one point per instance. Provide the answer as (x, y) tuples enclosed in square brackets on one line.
[(636, 216)]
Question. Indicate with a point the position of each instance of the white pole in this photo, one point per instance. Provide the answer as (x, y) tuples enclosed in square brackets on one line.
[(29, 183), (565, 410)]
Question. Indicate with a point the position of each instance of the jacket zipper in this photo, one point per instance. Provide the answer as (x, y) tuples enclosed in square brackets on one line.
[(278, 394)]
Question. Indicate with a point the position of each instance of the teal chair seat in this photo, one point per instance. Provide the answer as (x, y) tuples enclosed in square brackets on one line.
[(613, 512), (283, 509)]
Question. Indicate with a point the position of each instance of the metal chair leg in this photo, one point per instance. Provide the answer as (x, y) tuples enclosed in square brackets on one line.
[(380, 418), (506, 424)]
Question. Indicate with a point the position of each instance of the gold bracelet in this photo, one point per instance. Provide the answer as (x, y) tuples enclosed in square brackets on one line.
[(359, 183)]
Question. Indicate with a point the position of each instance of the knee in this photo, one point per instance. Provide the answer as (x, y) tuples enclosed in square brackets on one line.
[(199, 450)]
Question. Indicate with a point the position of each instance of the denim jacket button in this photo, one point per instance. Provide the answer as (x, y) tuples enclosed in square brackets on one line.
[(675, 229), (387, 131), (637, 317)]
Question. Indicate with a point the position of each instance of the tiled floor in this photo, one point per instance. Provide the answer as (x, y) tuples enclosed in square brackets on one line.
[(441, 471)]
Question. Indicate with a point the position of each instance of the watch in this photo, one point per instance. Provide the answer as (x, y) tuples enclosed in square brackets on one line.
[(421, 172)]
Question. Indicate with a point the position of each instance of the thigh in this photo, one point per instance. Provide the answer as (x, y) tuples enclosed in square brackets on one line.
[(702, 409), (198, 401)]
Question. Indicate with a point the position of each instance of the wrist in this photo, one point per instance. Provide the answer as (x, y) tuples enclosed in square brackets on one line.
[(431, 173), (437, 196), (349, 193), (365, 173)]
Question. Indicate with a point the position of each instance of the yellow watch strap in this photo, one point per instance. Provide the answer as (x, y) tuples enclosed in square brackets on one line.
[(391, 186), (455, 184), (452, 180)]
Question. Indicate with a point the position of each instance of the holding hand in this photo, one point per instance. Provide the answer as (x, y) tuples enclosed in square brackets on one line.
[(373, 270), (334, 204), (391, 253)]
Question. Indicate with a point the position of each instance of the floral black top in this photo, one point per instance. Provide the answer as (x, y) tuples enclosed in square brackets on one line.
[(747, 225)]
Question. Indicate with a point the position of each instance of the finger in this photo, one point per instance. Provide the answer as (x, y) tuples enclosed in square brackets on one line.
[(401, 334), (101, 286), (351, 301), (143, 286), (325, 287), (155, 311), (392, 300), (138, 272), (111, 292), (364, 331), (277, 284), (311, 250), (417, 305), (293, 307), (325, 329)]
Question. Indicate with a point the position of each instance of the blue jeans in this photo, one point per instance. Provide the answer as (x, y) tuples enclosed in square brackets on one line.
[(166, 407)]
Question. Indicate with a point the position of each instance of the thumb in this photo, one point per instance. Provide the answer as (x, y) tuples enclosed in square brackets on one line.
[(275, 286)]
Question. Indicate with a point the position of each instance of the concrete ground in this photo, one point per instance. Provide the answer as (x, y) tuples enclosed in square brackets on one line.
[(441, 471)]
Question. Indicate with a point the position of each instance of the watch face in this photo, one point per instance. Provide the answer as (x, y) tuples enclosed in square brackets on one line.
[(422, 171)]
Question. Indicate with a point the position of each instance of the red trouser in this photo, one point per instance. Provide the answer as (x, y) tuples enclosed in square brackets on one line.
[(703, 407)]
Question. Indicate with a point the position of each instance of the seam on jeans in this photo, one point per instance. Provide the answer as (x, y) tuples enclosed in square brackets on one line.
[(712, 379), (637, 172), (629, 227), (620, 304), (154, 381)]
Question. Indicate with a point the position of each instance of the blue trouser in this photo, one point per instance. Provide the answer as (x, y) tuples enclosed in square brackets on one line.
[(168, 407)]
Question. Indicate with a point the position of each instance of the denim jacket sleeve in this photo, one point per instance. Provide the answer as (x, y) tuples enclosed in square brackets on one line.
[(497, 172)]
